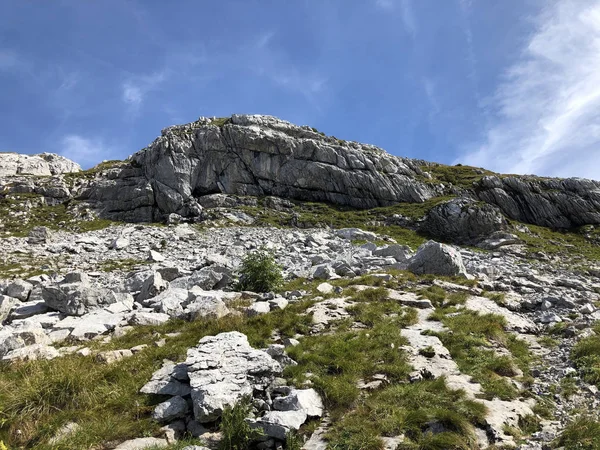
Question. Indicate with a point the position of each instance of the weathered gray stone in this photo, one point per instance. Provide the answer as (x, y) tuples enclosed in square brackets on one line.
[(438, 259), (169, 410), (38, 235), (19, 289), (278, 424), (148, 318), (76, 295), (7, 304), (143, 444), (306, 400), (463, 221), (43, 164), (153, 286), (223, 369), (170, 379)]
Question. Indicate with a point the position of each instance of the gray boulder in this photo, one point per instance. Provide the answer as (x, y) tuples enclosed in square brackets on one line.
[(7, 304), (170, 379), (153, 286), (38, 235), (76, 295), (463, 221), (19, 289), (437, 259), (307, 400), (279, 424), (169, 410)]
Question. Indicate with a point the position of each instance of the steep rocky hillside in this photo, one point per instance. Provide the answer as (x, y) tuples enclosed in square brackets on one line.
[(248, 283)]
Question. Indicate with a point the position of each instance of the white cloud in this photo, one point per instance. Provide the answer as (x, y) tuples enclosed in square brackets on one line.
[(135, 88), (548, 106), (87, 152), (408, 17)]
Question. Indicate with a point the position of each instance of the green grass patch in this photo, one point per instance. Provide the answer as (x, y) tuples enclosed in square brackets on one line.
[(410, 409), (22, 212), (582, 434), (460, 176), (470, 340), (37, 398), (574, 244), (586, 357)]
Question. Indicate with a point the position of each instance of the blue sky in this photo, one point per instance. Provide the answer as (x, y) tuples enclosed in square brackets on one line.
[(511, 85)]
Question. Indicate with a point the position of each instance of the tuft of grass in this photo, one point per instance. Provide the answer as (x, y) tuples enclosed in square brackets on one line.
[(583, 434), (460, 176), (259, 272), (237, 433), (410, 409), (586, 356)]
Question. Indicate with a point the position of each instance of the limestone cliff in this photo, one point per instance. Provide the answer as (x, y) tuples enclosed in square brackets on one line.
[(258, 155)]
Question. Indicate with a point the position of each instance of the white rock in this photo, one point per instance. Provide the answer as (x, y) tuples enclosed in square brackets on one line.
[(259, 308), (325, 288), (306, 400), (120, 243), (142, 444), (278, 424)]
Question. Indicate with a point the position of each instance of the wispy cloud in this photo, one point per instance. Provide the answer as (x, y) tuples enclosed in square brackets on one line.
[(266, 61), (434, 104), (547, 108), (465, 8), (11, 61), (135, 88), (85, 151)]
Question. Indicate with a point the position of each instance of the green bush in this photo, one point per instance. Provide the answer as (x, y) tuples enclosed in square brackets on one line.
[(237, 433), (259, 272)]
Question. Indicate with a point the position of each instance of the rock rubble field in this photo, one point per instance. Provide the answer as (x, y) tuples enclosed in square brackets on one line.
[(446, 316)]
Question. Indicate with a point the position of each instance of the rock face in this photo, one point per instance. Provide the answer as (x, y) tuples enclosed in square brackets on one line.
[(189, 166), (463, 221), (255, 155), (44, 164), (551, 202)]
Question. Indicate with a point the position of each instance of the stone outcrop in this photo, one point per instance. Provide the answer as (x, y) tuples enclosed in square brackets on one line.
[(44, 164), (463, 221), (189, 166), (551, 202), (262, 155)]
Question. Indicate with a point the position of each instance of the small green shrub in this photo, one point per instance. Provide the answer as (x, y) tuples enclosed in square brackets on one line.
[(260, 272), (237, 433)]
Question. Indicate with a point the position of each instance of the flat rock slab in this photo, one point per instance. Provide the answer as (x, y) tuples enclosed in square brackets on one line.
[(142, 444)]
